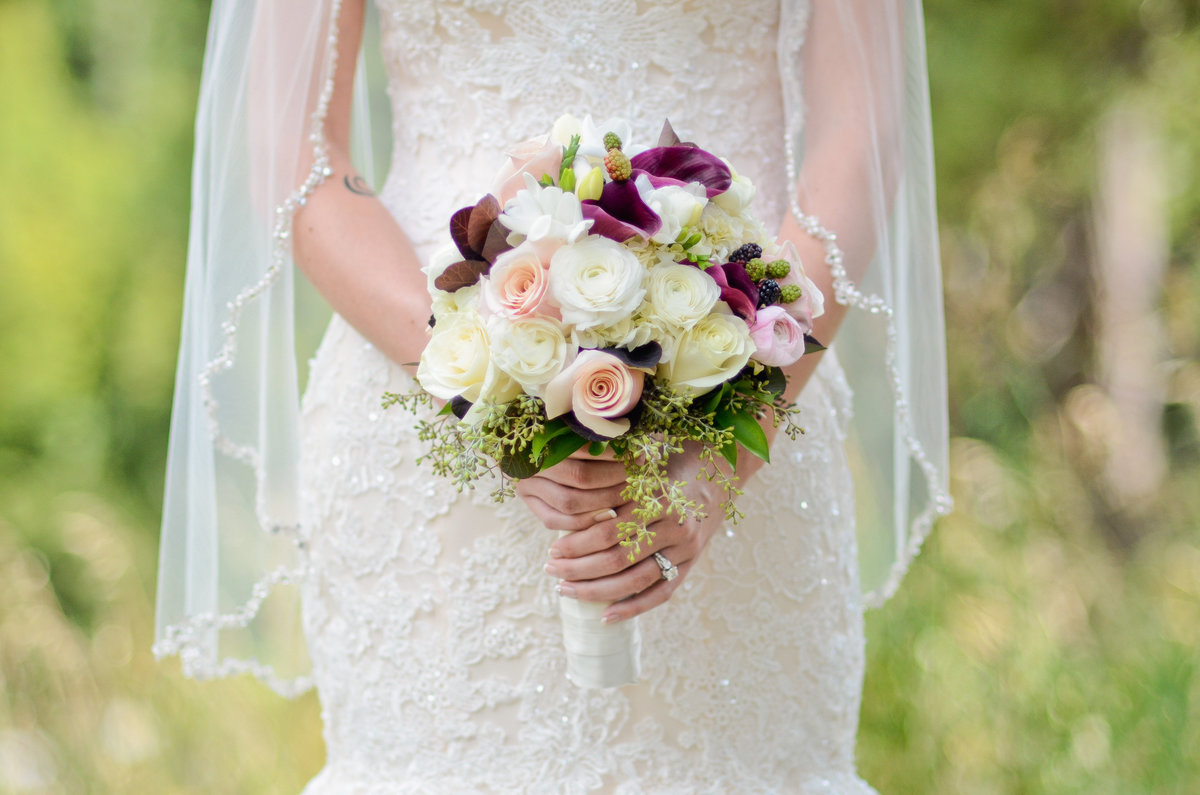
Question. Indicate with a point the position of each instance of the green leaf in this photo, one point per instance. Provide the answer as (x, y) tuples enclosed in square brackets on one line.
[(558, 448), (747, 431), (776, 381), (729, 452), (446, 409), (552, 430), (597, 448), (518, 465), (811, 345)]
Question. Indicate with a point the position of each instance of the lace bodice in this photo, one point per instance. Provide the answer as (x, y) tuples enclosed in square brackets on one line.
[(433, 631), (468, 78)]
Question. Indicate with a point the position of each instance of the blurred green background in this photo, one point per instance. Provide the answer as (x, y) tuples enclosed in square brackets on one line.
[(1046, 640)]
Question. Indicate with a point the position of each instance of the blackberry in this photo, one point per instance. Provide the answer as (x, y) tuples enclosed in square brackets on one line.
[(791, 292), (432, 321), (746, 252), (778, 269), (769, 292), (756, 269)]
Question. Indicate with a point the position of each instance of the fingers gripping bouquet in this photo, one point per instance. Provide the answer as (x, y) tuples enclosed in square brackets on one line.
[(615, 297)]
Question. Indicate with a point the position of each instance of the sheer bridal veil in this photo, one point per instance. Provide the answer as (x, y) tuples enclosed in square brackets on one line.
[(858, 147)]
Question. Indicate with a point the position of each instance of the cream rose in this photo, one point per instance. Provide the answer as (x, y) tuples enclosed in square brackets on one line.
[(778, 337), (712, 351), (519, 281), (600, 389), (680, 295), (596, 282), (457, 359), (739, 195), (532, 350)]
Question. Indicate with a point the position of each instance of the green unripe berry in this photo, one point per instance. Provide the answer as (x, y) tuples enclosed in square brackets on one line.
[(778, 269), (790, 292), (756, 269), (611, 141), (618, 165)]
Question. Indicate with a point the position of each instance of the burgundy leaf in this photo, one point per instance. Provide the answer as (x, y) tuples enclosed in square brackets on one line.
[(496, 242), (459, 224), (683, 164), (480, 222), (667, 137), (461, 274)]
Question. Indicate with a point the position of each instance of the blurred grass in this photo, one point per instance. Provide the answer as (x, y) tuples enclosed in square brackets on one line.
[(1045, 641)]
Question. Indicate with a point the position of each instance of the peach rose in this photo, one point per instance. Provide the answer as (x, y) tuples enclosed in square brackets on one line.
[(778, 337), (536, 156), (519, 281), (600, 389)]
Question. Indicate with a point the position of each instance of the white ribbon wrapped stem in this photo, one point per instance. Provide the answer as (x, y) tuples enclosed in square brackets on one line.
[(599, 654)]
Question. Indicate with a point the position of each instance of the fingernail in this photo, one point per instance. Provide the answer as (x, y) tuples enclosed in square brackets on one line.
[(603, 515), (609, 618), (566, 589), (555, 552), (551, 570)]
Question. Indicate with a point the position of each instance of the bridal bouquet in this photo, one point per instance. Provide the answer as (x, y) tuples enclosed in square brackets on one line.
[(618, 297)]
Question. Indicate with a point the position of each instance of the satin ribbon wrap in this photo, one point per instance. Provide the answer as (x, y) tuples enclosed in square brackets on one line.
[(598, 654)]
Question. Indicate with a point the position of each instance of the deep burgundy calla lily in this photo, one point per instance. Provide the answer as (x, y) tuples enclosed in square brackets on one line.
[(679, 165), (737, 289), (620, 213)]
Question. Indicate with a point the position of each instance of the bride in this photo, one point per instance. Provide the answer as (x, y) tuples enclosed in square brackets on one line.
[(430, 618)]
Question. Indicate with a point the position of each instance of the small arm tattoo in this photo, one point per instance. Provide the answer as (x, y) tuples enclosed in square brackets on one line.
[(356, 184)]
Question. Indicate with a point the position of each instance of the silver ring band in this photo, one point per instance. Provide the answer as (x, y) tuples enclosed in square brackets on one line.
[(669, 570)]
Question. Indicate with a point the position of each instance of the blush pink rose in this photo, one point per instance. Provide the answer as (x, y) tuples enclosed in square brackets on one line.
[(519, 281), (536, 157), (778, 336), (811, 303), (600, 389)]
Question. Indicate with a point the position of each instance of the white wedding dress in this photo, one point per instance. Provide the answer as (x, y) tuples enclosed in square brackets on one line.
[(433, 631)]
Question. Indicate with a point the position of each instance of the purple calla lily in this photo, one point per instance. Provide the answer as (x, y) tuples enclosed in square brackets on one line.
[(620, 214), (737, 289), (679, 165)]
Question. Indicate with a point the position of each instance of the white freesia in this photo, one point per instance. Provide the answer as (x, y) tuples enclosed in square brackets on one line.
[(712, 351), (545, 212), (680, 295), (532, 350), (676, 205), (741, 192), (596, 282)]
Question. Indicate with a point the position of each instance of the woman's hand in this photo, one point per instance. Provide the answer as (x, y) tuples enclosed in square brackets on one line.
[(594, 567), (576, 493)]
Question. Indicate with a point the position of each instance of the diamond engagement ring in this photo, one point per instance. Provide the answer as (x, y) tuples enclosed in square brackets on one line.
[(669, 570)]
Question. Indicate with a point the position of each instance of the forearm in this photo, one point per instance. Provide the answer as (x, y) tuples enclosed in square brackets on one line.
[(357, 256)]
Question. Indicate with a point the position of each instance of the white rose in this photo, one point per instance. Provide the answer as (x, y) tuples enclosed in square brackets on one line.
[(741, 192), (680, 295), (545, 212), (711, 352), (596, 282), (457, 359), (678, 206), (532, 350)]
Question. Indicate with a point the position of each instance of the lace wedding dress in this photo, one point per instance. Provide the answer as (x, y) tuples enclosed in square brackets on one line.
[(433, 631)]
